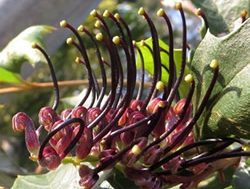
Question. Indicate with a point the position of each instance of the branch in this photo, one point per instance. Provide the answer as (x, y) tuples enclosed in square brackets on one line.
[(45, 85)]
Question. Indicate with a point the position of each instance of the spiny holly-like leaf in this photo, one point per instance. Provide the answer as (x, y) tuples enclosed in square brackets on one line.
[(19, 50), (228, 111), (149, 63), (66, 176), (222, 14)]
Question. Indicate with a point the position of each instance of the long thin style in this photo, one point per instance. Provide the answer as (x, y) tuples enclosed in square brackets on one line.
[(53, 75), (201, 107), (141, 85), (57, 129), (103, 73), (179, 120)]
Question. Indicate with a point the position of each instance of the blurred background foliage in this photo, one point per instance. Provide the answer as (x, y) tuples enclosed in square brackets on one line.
[(12, 144)]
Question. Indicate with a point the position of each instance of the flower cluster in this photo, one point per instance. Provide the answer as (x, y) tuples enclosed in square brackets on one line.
[(148, 132)]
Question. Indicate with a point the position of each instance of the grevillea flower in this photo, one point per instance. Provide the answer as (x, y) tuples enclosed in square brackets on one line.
[(147, 131)]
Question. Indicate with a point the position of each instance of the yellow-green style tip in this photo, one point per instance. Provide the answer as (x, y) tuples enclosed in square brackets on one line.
[(33, 157), (93, 13), (160, 12), (117, 16), (63, 24), (136, 150), (80, 28), (246, 147), (161, 104), (98, 24), (106, 14), (116, 40), (141, 11), (69, 41), (142, 43), (214, 64), (243, 13), (189, 78), (160, 86), (99, 37), (178, 5), (77, 60), (34, 45), (199, 12)]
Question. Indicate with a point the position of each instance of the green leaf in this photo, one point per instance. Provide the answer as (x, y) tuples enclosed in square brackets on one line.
[(66, 176), (9, 77), (241, 178), (222, 14), (119, 181), (216, 182), (149, 62), (19, 50), (228, 110)]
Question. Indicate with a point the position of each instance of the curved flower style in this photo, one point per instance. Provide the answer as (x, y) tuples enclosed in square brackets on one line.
[(148, 132)]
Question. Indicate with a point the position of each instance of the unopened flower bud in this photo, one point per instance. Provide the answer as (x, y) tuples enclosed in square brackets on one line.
[(60, 133), (171, 118), (91, 115), (79, 112), (124, 118), (62, 143), (65, 113), (131, 156), (178, 108), (50, 158), (47, 117), (88, 178), (31, 140), (134, 117), (22, 121), (143, 178), (136, 104), (152, 155), (153, 105), (173, 164), (61, 139), (84, 145), (127, 137), (106, 155), (159, 129)]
